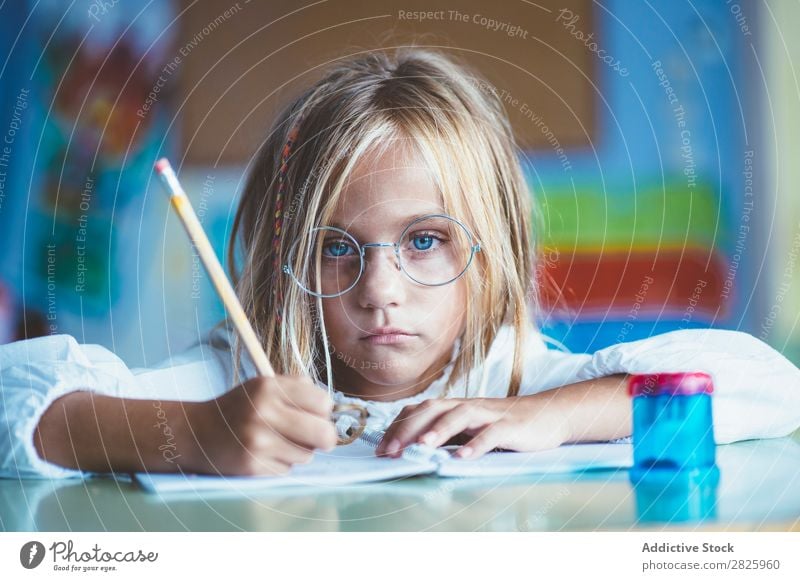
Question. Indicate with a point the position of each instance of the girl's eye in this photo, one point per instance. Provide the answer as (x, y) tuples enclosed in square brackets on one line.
[(336, 249), (425, 242)]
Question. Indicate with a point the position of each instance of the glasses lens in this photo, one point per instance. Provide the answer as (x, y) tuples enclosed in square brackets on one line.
[(435, 250), (329, 264)]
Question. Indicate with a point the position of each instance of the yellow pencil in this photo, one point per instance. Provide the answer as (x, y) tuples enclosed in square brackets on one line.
[(179, 201), (183, 207)]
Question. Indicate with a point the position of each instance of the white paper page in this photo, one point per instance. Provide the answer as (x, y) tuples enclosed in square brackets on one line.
[(564, 459), (349, 464)]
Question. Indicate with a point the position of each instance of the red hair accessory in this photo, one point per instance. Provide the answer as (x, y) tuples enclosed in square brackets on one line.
[(286, 152)]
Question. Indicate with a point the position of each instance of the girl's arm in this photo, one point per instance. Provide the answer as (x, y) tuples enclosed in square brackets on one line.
[(593, 410), (97, 433), (67, 408), (756, 392), (260, 427)]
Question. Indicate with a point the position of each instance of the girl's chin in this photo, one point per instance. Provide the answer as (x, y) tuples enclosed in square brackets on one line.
[(387, 381), (388, 376), (379, 362)]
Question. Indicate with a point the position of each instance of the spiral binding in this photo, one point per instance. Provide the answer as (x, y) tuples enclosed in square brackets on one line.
[(411, 452)]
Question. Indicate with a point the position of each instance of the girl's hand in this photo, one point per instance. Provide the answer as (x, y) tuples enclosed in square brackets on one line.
[(261, 427), (522, 424)]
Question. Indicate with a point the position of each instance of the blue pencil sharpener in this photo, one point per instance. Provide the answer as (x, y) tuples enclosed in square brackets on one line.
[(674, 471)]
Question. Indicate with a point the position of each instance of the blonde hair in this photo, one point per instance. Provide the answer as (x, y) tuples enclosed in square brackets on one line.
[(363, 103)]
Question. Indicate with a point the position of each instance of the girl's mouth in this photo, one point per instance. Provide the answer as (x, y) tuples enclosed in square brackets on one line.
[(388, 338)]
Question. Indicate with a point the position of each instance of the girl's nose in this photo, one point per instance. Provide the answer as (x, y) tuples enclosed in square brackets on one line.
[(382, 282)]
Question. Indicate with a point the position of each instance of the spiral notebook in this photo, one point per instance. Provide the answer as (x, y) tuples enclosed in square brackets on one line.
[(357, 463)]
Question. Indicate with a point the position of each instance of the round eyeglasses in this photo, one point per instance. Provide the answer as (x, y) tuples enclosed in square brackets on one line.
[(433, 250)]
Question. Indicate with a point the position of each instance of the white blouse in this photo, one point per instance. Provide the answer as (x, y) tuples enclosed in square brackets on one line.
[(756, 389)]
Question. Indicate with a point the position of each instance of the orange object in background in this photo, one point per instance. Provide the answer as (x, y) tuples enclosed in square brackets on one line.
[(670, 283)]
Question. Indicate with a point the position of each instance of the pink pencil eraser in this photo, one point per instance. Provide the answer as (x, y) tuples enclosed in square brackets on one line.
[(162, 164)]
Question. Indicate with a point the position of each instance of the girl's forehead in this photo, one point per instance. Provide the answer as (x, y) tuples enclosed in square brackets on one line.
[(389, 223), (390, 191)]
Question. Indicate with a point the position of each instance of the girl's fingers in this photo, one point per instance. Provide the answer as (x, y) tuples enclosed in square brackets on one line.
[(290, 453), (304, 395), (304, 429), (463, 417), (411, 423), (390, 443), (486, 440), (269, 467)]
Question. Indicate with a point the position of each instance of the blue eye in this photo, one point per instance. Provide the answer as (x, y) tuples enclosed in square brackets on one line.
[(423, 242), (336, 249)]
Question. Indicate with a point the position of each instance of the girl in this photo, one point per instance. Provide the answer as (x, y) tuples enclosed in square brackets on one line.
[(385, 230)]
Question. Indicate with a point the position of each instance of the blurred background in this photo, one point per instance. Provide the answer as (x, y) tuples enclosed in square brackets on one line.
[(660, 141)]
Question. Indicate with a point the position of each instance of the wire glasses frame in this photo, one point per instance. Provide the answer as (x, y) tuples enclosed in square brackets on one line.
[(472, 246)]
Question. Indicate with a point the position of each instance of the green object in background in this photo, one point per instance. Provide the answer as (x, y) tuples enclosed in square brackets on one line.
[(654, 217), (780, 326)]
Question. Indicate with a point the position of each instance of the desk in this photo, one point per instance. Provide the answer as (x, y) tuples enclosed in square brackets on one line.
[(759, 489)]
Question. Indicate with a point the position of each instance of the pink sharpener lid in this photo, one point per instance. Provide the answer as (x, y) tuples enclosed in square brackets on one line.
[(653, 384)]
